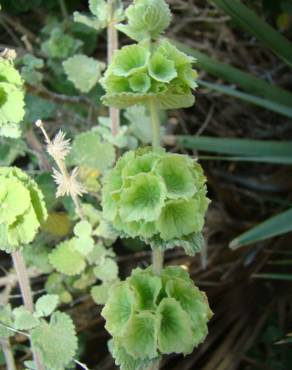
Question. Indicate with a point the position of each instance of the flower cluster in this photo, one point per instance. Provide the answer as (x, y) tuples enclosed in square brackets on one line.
[(150, 315), (157, 196), (138, 74), (22, 209), (11, 99)]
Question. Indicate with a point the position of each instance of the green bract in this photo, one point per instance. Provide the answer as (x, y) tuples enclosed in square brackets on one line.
[(22, 209), (138, 74), (147, 19), (11, 99), (157, 196), (150, 315)]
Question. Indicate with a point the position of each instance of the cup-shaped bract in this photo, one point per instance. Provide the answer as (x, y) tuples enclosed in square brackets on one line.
[(139, 73), (157, 196), (11, 99), (22, 209), (147, 19), (149, 315)]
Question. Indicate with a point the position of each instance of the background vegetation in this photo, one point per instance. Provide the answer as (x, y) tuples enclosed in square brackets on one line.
[(241, 130)]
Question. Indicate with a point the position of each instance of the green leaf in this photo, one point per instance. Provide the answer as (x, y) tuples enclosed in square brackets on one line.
[(146, 289), (141, 337), (140, 82), (83, 71), (249, 150), (91, 22), (100, 293), (247, 82), (10, 150), (146, 19), (66, 259), (124, 360), (119, 309), (11, 104), (56, 341), (247, 19), (6, 319), (161, 68), (83, 229), (178, 218), (177, 176), (174, 331), (24, 319), (107, 271), (267, 104), (277, 225), (46, 305), (88, 150), (143, 200), (99, 9), (129, 60)]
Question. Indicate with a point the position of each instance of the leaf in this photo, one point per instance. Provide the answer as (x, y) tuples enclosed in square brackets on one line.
[(88, 150), (140, 82), (83, 71), (6, 319), (140, 340), (139, 119), (178, 218), (161, 68), (250, 150), (124, 360), (274, 226), (56, 341), (146, 288), (147, 19), (91, 22), (100, 293), (83, 229), (174, 331), (24, 319), (107, 271), (10, 150), (246, 81), (99, 9), (129, 60), (267, 104), (177, 176), (118, 309), (11, 104), (46, 305), (143, 200), (66, 259), (247, 19)]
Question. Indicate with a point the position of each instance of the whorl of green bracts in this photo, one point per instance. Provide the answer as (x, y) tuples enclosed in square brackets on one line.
[(139, 73), (11, 99), (147, 19), (22, 209), (157, 196), (149, 315)]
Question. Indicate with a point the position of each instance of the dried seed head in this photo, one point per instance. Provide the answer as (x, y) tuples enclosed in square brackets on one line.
[(68, 185), (59, 147)]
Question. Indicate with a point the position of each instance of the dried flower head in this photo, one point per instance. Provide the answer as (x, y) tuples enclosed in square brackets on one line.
[(59, 147), (68, 185)]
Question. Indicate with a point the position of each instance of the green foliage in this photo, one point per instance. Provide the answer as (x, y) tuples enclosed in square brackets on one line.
[(150, 315), (46, 305), (147, 19), (30, 69), (56, 341), (85, 78), (5, 320), (22, 209), (24, 319), (137, 75), (88, 150), (11, 99), (158, 197)]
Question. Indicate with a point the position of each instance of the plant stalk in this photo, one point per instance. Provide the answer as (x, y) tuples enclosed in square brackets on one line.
[(8, 355), (112, 46), (24, 284), (157, 261)]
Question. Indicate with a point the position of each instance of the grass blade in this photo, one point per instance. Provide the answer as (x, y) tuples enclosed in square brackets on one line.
[(257, 27), (242, 149), (277, 225), (264, 103), (243, 80)]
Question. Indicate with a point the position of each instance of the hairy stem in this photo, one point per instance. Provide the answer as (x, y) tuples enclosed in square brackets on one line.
[(24, 284), (8, 355), (112, 45), (155, 122)]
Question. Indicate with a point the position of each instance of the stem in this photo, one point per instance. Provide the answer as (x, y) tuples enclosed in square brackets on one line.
[(8, 355), (112, 46), (157, 261), (64, 11), (155, 122), (26, 293)]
